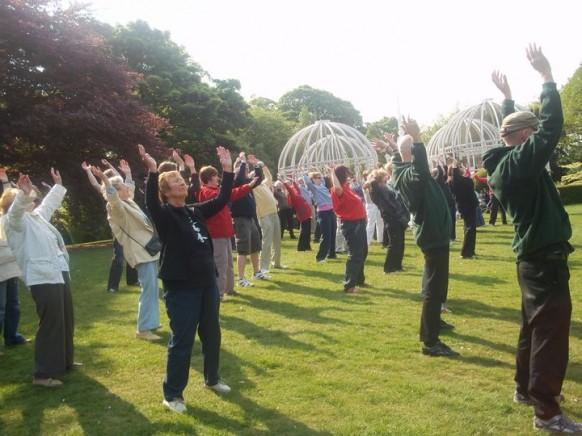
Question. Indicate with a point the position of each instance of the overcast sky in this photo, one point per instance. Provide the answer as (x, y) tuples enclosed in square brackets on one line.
[(425, 58)]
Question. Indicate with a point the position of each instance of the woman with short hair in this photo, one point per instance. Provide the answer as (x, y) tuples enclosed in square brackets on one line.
[(188, 272)]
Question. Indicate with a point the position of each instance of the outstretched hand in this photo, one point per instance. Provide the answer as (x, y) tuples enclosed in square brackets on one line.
[(225, 158), (379, 145), (24, 183), (178, 159), (56, 176), (410, 127), (500, 81), (3, 175), (149, 161), (539, 62), (124, 167), (189, 162)]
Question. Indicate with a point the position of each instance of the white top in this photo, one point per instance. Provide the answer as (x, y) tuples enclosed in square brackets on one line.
[(38, 246)]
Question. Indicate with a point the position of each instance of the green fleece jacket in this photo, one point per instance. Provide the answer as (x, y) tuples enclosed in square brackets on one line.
[(424, 199), (525, 189)]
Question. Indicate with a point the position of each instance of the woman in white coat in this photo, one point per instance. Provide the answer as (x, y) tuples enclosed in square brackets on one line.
[(44, 262)]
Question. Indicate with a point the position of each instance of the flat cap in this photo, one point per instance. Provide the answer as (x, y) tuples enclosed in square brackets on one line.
[(517, 121)]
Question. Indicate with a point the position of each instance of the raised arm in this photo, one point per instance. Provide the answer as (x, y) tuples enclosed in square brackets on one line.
[(419, 158), (53, 200), (115, 205), (212, 207), (5, 182), (152, 199), (92, 180), (14, 218), (337, 186)]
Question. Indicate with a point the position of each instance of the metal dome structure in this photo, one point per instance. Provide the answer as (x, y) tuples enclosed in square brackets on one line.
[(326, 143), (468, 134)]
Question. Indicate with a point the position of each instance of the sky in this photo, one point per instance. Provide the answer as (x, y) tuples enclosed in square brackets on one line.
[(423, 58)]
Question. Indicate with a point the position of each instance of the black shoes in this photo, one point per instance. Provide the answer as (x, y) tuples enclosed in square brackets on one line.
[(439, 350)]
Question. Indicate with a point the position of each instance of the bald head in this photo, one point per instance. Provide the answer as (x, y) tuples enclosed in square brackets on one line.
[(405, 147)]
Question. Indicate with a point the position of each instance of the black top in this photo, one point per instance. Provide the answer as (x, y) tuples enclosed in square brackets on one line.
[(389, 203), (243, 207), (464, 191), (186, 261)]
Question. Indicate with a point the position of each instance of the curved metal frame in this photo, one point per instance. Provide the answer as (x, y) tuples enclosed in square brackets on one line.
[(323, 144)]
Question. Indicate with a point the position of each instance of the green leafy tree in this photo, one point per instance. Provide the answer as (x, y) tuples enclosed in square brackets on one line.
[(267, 134), (201, 111), (571, 143), (306, 104), (384, 125)]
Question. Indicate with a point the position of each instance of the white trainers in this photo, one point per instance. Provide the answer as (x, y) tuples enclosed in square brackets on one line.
[(557, 424), (244, 283), (177, 405), (261, 275), (220, 388)]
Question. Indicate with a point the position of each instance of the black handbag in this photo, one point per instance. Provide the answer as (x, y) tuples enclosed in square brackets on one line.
[(154, 245)]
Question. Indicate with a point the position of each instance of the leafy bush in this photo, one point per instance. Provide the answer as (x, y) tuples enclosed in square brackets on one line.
[(571, 194)]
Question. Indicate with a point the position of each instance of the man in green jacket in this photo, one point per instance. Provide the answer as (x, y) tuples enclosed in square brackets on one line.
[(521, 183), (432, 231)]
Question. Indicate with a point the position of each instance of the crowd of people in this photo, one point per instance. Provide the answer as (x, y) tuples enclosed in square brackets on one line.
[(190, 222)]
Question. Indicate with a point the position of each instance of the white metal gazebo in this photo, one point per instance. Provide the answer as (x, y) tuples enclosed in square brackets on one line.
[(326, 143), (468, 134)]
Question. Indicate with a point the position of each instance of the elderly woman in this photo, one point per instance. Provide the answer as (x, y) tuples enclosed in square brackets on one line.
[(42, 257), (133, 230), (188, 272), (326, 218)]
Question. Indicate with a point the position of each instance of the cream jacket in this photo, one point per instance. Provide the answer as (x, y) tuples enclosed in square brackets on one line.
[(128, 221), (264, 198), (37, 245)]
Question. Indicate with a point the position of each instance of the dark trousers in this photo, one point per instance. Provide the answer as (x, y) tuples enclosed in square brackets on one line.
[(11, 312), (357, 245), (470, 236), (328, 227), (436, 278), (53, 344), (496, 207), (304, 243), (395, 251), (317, 232), (542, 349), (116, 269), (453, 211), (286, 220), (190, 310)]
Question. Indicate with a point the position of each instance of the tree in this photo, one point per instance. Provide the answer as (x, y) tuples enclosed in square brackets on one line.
[(267, 134), (571, 144), (384, 125), (64, 98), (306, 104), (201, 111)]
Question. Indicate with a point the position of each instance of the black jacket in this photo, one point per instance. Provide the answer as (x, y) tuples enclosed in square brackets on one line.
[(463, 189), (187, 253), (390, 204)]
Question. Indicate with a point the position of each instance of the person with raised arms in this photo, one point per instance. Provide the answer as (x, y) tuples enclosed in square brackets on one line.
[(188, 273), (425, 200), (520, 181)]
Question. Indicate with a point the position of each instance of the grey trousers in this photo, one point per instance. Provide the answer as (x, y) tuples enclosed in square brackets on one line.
[(271, 250), (53, 345), (223, 261)]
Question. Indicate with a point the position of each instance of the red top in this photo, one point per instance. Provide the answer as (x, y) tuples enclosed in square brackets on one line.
[(348, 206), (302, 209), (220, 225)]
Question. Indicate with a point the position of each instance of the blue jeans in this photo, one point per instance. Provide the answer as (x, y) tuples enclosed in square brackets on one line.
[(328, 227), (10, 312), (190, 310), (148, 312)]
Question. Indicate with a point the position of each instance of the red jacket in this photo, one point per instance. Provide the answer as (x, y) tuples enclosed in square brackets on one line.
[(302, 209), (220, 225), (348, 206)]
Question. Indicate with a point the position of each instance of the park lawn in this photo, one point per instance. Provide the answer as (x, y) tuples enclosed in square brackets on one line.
[(301, 356)]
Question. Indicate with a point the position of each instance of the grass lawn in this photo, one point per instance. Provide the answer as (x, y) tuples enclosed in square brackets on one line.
[(301, 356)]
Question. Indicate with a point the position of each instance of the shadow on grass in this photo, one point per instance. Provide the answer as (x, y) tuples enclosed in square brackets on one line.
[(331, 294), (480, 341), (483, 361), (477, 279), (289, 310)]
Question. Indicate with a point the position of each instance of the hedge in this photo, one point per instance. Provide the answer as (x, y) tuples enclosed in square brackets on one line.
[(571, 194)]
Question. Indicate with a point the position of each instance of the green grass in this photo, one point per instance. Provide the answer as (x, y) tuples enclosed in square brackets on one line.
[(301, 356)]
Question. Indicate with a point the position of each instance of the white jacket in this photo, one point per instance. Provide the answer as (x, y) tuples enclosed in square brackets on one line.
[(8, 266), (38, 246)]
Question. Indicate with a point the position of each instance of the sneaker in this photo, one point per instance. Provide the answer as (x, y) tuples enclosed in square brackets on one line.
[(525, 399), (261, 275), (244, 283), (279, 266), (147, 335), (557, 424), (176, 405), (111, 290), (219, 388), (322, 261), (47, 382), (439, 350), (446, 326)]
